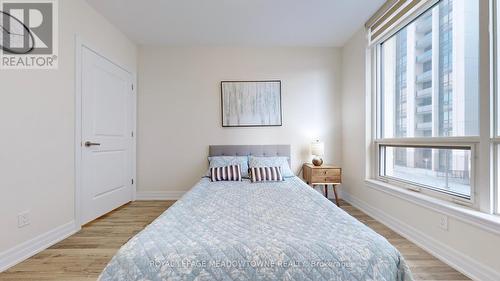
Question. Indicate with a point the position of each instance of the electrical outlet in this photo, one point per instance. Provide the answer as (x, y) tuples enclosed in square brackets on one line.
[(443, 222), (23, 219)]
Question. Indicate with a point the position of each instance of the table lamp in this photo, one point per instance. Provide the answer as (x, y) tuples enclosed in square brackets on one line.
[(317, 150)]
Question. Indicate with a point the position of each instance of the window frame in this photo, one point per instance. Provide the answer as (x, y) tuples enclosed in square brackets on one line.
[(483, 147), (494, 13), (434, 192)]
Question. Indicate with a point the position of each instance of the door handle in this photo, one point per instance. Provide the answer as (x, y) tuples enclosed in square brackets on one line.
[(88, 143)]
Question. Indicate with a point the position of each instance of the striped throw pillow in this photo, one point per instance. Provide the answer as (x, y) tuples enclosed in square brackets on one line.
[(266, 174), (227, 173)]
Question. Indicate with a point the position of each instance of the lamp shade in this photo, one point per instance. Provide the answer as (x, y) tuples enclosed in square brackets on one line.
[(317, 148)]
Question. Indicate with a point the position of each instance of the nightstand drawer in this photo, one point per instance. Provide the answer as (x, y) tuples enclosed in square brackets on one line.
[(325, 172), (329, 179)]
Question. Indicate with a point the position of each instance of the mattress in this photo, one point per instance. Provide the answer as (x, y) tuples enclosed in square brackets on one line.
[(256, 231)]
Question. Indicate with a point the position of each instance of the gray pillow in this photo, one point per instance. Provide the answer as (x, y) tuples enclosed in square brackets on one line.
[(222, 161), (273, 161)]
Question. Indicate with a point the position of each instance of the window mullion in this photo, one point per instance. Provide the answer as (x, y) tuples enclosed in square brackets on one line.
[(451, 141), (484, 160)]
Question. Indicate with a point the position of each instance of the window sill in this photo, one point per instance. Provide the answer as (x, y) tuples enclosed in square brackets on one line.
[(485, 221)]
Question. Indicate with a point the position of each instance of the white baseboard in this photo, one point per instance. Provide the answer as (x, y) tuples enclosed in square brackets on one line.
[(160, 195), (458, 260), (33, 246)]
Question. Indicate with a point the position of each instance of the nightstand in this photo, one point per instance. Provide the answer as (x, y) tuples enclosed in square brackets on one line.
[(323, 175)]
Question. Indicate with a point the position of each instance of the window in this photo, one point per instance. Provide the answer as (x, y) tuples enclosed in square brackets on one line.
[(451, 176), (428, 101)]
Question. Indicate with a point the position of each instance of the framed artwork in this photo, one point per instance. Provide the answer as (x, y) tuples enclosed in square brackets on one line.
[(251, 103)]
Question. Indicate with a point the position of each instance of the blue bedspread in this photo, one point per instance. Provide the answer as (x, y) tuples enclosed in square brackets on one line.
[(256, 231)]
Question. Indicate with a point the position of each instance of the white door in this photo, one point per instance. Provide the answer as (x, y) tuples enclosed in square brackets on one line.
[(107, 123)]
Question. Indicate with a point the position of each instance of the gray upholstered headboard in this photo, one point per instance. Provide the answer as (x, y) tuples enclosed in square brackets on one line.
[(255, 150)]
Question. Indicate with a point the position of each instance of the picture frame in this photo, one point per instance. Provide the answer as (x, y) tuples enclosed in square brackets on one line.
[(255, 103)]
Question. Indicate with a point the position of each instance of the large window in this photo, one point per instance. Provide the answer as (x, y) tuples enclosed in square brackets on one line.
[(428, 101)]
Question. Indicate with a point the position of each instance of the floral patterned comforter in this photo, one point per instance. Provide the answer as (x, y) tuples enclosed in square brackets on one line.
[(256, 231)]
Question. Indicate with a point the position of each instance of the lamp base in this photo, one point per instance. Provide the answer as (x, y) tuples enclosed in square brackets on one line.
[(317, 161)]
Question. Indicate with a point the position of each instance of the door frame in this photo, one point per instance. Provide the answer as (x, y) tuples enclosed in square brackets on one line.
[(80, 43)]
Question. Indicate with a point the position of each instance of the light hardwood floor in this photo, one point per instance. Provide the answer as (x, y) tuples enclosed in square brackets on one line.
[(83, 256)]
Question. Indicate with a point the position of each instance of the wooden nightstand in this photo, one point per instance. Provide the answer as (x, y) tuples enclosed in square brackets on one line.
[(323, 175)]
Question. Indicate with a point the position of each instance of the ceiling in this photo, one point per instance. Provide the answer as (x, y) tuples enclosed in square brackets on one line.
[(238, 22)]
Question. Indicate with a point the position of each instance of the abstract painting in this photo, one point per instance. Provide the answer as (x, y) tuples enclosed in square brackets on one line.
[(251, 103)]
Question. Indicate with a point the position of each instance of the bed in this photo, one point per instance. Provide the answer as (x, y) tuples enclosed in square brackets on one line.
[(256, 231)]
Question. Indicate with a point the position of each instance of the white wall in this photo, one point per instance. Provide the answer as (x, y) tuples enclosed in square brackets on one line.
[(179, 111), (37, 120), (467, 240)]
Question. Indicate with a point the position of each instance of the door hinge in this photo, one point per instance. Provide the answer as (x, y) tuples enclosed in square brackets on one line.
[(132, 134), (132, 87), (132, 180)]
